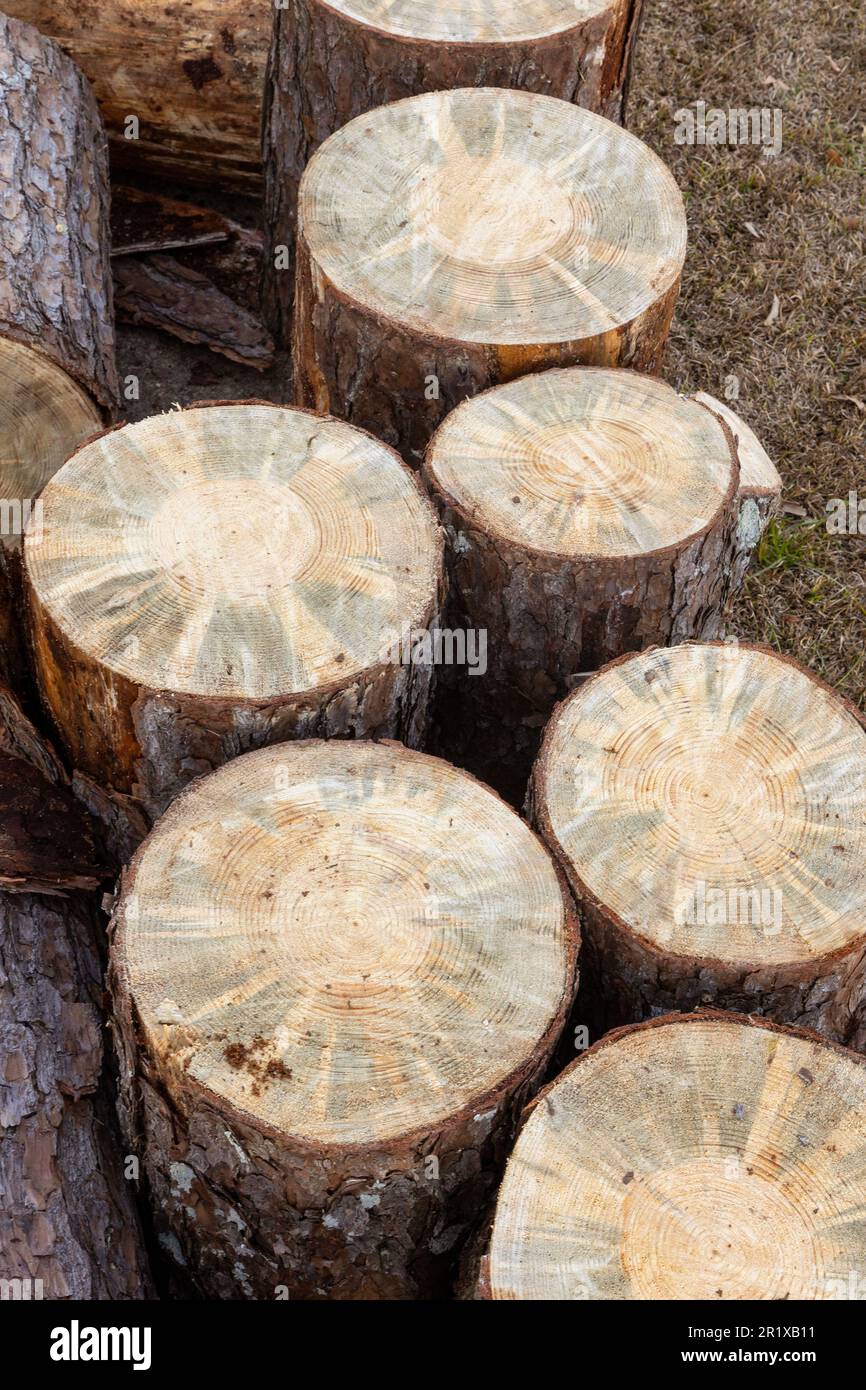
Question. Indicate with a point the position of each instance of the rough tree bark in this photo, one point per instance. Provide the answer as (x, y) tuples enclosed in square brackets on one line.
[(68, 1225), (192, 74), (57, 371), (324, 1086), (588, 513), (760, 493), (528, 234), (55, 278), (160, 291), (332, 60), (708, 806), (701, 1157), (228, 576)]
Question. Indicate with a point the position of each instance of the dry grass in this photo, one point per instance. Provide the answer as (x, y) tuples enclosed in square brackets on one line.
[(807, 593)]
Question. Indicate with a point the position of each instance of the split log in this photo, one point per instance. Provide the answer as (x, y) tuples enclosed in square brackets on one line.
[(528, 234), (223, 577), (760, 495), (339, 970), (705, 1157), (708, 805), (333, 60), (589, 513), (191, 74), (161, 292), (68, 1224), (55, 279)]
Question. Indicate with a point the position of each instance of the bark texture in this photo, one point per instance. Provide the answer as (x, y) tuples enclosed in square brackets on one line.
[(325, 68), (550, 623), (146, 222), (55, 279), (627, 981), (192, 74), (245, 1215), (68, 1223), (159, 291), (149, 744), (366, 369), (550, 618), (340, 1141)]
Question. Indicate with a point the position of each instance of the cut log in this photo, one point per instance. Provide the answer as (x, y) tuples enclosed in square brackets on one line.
[(338, 969), (589, 513), (223, 577), (44, 416), (163, 293), (704, 1157), (55, 279), (68, 1224), (333, 60), (191, 74), (708, 804), (760, 494), (527, 233), (57, 372)]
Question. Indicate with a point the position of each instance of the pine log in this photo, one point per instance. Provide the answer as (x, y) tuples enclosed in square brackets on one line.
[(708, 805), (339, 970), (588, 513), (44, 416), (760, 495), (191, 73), (55, 279), (706, 1158), (333, 60), (68, 1224), (457, 240), (57, 370), (227, 576)]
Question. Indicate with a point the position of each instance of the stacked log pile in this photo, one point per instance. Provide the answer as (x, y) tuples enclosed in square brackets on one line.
[(333, 60), (340, 969), (531, 234)]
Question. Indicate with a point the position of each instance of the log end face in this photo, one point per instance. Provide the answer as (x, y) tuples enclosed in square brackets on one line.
[(693, 1201), (324, 908), (705, 801), (515, 184)]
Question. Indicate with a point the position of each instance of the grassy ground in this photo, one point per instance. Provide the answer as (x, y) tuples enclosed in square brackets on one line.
[(802, 377)]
